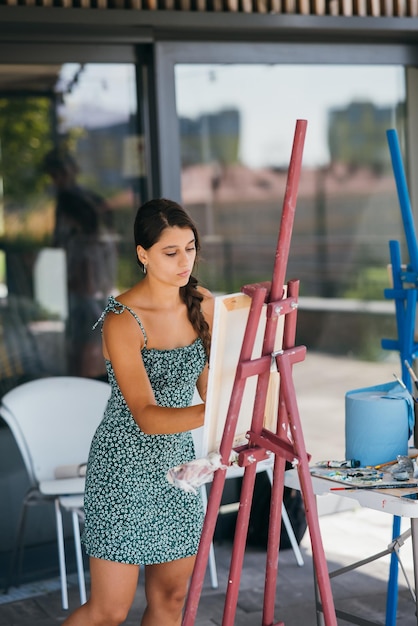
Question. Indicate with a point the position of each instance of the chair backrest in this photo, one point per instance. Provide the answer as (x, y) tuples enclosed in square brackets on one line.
[(53, 421)]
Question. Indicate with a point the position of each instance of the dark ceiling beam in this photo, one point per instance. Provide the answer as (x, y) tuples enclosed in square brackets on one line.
[(129, 25)]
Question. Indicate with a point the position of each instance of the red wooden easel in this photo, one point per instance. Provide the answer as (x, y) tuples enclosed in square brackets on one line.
[(287, 443)]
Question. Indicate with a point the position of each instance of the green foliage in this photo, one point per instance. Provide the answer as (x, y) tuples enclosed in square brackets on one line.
[(25, 138), (369, 284)]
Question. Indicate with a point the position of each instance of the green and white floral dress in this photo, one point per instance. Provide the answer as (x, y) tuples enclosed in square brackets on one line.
[(133, 514)]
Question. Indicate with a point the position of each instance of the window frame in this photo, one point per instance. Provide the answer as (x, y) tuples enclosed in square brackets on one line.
[(170, 53)]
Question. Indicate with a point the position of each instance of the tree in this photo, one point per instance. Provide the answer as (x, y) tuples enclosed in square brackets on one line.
[(25, 137)]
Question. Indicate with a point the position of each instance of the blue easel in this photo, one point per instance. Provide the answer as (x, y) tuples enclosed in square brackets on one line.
[(404, 293)]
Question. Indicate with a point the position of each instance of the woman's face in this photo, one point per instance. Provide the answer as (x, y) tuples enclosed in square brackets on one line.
[(172, 258)]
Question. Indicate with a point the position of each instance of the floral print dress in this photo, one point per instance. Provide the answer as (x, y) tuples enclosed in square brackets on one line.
[(133, 514)]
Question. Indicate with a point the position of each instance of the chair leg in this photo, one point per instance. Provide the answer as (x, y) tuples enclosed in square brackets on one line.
[(17, 553), (212, 568), (292, 538), (79, 557), (16, 561), (288, 526), (61, 554)]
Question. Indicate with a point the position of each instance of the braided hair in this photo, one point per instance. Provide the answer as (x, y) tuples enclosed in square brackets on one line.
[(151, 220)]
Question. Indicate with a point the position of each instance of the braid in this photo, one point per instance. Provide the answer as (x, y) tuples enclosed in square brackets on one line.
[(193, 298)]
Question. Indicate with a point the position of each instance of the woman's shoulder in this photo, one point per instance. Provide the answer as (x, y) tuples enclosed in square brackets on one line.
[(124, 298), (123, 328), (118, 304), (112, 305)]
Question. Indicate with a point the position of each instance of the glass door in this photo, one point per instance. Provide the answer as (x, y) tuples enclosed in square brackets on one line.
[(235, 147), (70, 164)]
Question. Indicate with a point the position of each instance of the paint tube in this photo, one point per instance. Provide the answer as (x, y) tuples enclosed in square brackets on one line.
[(347, 463)]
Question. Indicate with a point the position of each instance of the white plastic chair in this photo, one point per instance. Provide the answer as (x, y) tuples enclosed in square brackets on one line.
[(53, 421)]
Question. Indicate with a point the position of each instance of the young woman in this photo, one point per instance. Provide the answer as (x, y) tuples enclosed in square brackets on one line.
[(156, 339)]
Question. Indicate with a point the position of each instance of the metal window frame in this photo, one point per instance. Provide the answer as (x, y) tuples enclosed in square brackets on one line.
[(154, 40), (169, 53)]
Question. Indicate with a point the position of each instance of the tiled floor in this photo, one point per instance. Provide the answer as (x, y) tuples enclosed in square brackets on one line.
[(347, 534)]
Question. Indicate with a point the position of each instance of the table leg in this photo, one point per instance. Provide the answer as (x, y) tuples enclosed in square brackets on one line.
[(392, 592), (414, 535)]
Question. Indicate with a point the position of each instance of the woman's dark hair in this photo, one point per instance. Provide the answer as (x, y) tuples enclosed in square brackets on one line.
[(151, 220)]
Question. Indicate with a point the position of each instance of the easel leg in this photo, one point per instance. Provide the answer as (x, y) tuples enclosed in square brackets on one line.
[(273, 544), (318, 554), (199, 570), (319, 613), (238, 549), (320, 563)]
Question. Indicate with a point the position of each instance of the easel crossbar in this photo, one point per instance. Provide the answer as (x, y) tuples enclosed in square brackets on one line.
[(254, 454), (272, 442), (281, 307), (258, 366)]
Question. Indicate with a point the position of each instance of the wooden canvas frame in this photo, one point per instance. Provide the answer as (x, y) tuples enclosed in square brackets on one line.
[(230, 319)]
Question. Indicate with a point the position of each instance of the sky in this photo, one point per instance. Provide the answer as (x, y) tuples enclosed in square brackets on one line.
[(271, 98), (103, 93)]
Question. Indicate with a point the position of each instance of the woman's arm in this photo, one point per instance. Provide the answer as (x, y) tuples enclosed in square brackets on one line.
[(123, 342), (202, 383)]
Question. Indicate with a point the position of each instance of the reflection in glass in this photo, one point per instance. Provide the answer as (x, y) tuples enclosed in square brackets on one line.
[(84, 233), (236, 127), (66, 240)]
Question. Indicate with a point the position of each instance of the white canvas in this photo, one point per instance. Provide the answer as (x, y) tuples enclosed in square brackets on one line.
[(230, 319)]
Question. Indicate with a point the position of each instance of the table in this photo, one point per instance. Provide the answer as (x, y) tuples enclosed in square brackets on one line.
[(385, 500)]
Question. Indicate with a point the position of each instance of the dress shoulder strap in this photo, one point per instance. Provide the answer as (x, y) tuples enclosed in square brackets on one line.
[(114, 306)]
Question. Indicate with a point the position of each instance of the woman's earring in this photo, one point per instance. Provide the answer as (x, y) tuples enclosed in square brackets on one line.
[(144, 268)]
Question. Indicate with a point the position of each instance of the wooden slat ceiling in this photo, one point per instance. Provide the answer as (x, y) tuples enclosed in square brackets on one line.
[(373, 8)]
